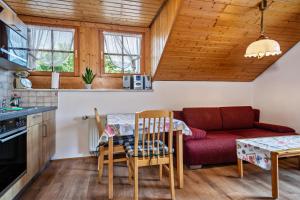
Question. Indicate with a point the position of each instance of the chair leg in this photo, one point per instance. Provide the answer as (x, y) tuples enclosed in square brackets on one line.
[(129, 171), (100, 163), (171, 178), (136, 179), (160, 172)]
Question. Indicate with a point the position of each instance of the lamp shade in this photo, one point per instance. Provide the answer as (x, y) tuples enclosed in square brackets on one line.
[(263, 47)]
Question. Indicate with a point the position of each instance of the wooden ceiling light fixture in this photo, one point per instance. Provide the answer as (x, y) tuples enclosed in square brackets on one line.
[(263, 46)]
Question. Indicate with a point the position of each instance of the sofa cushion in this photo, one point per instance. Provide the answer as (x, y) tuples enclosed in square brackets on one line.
[(203, 118), (255, 132), (275, 128), (237, 117), (196, 134), (217, 147)]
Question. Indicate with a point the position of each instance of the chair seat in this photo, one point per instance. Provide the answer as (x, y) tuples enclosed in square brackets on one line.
[(161, 151), (121, 140)]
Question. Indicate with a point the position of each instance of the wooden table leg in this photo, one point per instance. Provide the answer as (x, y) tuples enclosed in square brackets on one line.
[(275, 178), (110, 168), (298, 162), (240, 168), (179, 158)]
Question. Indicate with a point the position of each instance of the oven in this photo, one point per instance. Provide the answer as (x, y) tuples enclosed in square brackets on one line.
[(13, 151)]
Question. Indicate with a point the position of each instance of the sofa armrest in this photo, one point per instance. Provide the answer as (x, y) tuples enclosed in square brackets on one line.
[(196, 134), (275, 128)]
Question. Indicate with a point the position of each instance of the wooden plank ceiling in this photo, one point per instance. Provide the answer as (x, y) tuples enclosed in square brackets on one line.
[(120, 12), (209, 39)]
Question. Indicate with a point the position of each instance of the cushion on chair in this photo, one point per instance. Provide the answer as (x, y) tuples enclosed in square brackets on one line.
[(163, 149), (120, 140)]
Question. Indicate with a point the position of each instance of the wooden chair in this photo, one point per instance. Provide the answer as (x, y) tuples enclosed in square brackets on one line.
[(150, 147), (103, 150)]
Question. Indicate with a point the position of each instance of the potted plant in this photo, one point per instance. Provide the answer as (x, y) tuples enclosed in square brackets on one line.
[(88, 78)]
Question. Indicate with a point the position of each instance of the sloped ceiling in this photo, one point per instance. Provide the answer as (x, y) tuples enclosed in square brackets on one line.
[(209, 39), (120, 12)]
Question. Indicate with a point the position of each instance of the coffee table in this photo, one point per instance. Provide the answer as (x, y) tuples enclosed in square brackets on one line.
[(264, 152)]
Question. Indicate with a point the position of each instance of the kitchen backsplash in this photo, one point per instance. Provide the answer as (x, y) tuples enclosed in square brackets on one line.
[(6, 83), (37, 98)]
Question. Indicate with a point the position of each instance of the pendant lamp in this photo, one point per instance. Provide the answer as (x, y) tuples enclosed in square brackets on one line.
[(263, 46)]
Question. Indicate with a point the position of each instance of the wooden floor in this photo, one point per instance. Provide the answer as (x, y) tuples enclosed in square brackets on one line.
[(77, 179)]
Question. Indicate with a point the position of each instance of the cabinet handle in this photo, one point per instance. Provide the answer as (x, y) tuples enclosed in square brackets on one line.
[(45, 131)]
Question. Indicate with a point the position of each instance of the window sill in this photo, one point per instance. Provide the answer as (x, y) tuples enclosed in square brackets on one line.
[(82, 90)]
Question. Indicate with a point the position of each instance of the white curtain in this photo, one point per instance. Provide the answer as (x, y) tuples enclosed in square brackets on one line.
[(39, 38), (123, 50), (49, 46)]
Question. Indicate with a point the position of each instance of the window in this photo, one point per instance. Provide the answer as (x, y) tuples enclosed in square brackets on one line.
[(122, 53), (51, 49)]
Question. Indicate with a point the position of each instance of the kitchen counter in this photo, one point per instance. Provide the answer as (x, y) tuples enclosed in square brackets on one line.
[(26, 111)]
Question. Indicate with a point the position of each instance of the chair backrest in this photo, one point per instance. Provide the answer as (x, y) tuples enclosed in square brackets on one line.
[(150, 129), (98, 122)]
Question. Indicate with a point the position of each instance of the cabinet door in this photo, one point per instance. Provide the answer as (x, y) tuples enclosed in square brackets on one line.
[(52, 144), (33, 150)]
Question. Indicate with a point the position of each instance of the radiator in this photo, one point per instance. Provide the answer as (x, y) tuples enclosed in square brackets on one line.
[(93, 136)]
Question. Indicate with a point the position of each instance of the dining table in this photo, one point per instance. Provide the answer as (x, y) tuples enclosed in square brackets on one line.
[(123, 124)]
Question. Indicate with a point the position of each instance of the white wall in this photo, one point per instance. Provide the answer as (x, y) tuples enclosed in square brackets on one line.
[(277, 91), (72, 135)]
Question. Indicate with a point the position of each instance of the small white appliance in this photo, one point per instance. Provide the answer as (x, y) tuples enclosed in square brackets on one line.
[(147, 82), (22, 82), (54, 80), (137, 82), (127, 82)]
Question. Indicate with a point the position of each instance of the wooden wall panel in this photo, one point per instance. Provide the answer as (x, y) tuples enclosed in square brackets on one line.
[(209, 39), (89, 53), (160, 30)]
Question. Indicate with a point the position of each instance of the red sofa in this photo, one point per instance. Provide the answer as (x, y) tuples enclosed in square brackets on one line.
[(222, 125)]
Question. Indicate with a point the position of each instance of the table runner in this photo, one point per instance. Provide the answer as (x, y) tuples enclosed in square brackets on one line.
[(124, 125), (258, 150)]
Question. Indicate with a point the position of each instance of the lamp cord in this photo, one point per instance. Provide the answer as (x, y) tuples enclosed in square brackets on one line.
[(262, 8), (262, 29)]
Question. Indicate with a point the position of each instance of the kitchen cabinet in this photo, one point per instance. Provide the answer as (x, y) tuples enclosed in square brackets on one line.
[(48, 137), (40, 149), (9, 17), (40, 141), (34, 144)]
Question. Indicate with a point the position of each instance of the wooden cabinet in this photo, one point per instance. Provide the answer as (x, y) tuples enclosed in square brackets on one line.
[(40, 149), (40, 141), (9, 17), (48, 137), (34, 146)]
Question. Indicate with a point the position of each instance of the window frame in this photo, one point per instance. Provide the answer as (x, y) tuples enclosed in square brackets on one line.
[(76, 50), (101, 43)]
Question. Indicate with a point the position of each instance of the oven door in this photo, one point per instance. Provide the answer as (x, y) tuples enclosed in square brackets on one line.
[(13, 158)]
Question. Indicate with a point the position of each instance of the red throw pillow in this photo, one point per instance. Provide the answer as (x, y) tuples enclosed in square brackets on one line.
[(196, 134)]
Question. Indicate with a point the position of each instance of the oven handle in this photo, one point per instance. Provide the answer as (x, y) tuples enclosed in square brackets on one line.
[(13, 136), (12, 132)]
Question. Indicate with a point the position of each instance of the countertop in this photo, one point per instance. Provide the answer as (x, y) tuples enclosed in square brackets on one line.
[(25, 112), (81, 90)]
